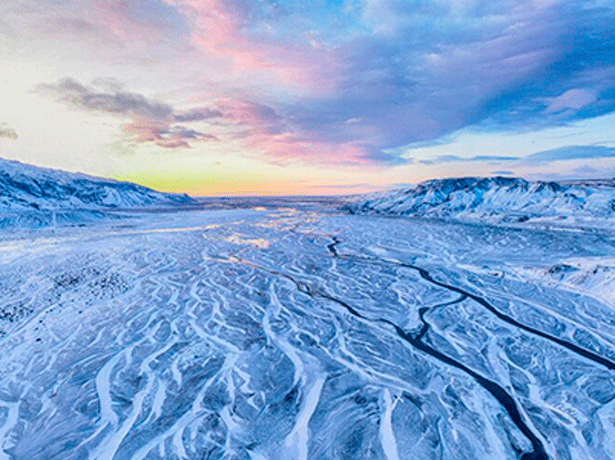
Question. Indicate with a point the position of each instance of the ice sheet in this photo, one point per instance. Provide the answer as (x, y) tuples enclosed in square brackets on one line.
[(291, 333)]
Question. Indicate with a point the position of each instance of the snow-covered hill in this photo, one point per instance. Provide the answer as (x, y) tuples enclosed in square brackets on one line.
[(498, 200), (25, 188)]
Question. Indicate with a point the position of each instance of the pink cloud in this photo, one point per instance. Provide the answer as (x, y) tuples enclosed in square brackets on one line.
[(220, 29), (259, 127), (255, 115), (111, 23), (287, 146), (124, 23), (164, 135)]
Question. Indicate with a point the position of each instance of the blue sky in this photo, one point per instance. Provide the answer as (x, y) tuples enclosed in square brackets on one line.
[(258, 97)]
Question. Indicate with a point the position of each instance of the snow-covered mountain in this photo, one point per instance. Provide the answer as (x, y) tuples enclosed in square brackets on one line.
[(498, 200), (25, 187)]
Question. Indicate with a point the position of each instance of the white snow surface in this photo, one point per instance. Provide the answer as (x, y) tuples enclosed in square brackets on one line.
[(499, 200)]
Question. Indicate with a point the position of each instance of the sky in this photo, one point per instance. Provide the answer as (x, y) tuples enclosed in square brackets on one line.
[(261, 97)]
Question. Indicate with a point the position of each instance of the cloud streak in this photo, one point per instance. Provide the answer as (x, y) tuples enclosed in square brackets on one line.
[(6, 132), (246, 34), (477, 158), (129, 104), (152, 120), (574, 152)]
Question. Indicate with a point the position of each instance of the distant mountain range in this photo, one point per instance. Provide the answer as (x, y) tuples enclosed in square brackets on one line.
[(30, 195), (497, 200), (27, 187)]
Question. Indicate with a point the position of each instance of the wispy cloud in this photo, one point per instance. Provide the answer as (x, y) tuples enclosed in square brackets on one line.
[(574, 152), (125, 103), (477, 158), (108, 27), (573, 100), (152, 120), (245, 34), (164, 135), (197, 114), (7, 132)]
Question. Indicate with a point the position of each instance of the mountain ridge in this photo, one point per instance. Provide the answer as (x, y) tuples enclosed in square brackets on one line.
[(28, 187), (496, 199)]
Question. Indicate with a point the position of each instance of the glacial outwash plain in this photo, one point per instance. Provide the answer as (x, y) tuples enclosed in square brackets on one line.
[(456, 319)]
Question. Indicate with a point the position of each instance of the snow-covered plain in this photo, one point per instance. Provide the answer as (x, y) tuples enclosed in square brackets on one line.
[(287, 329)]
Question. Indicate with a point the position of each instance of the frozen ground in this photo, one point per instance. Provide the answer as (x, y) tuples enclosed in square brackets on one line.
[(292, 331)]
